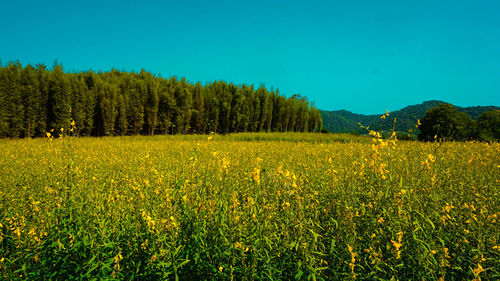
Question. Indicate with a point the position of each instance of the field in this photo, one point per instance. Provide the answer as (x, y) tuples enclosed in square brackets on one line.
[(249, 207)]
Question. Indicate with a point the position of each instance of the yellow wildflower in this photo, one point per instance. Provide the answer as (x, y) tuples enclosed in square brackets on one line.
[(478, 269), (431, 158), (256, 175), (118, 257)]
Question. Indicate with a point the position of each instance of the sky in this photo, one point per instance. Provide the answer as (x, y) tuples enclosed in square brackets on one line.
[(360, 55)]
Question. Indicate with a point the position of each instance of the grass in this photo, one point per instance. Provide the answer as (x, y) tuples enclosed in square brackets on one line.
[(248, 207)]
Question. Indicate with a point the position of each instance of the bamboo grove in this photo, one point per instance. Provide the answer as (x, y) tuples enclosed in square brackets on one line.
[(35, 100)]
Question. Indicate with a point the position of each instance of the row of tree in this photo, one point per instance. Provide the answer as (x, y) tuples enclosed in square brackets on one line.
[(446, 122), (35, 99)]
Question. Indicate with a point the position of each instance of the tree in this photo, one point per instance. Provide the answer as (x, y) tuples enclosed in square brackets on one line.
[(166, 107), (80, 97), (11, 101), (86, 127), (262, 95), (31, 101), (151, 107), (198, 109), (37, 100), (59, 100), (183, 98), (121, 117), (4, 105), (446, 122), (212, 110), (488, 127), (135, 112)]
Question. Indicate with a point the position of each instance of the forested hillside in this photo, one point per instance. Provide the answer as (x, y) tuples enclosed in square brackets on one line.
[(35, 100), (406, 118)]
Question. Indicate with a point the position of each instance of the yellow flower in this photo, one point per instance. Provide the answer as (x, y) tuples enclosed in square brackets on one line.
[(353, 258), (482, 258), (396, 244), (382, 117), (478, 270), (285, 205), (118, 257), (256, 175), (431, 158), (17, 231), (221, 268), (446, 255)]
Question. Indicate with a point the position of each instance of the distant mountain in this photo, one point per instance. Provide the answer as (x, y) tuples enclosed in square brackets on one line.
[(406, 118)]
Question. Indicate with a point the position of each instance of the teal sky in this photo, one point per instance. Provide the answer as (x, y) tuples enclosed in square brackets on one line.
[(363, 56)]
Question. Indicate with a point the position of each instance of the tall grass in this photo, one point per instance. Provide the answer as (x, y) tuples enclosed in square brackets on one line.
[(248, 207)]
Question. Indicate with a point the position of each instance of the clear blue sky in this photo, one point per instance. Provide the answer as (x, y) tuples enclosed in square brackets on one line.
[(363, 56)]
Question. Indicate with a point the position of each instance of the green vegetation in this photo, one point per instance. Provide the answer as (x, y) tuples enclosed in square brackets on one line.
[(250, 206), (345, 121), (446, 122), (236, 205), (489, 125), (35, 100)]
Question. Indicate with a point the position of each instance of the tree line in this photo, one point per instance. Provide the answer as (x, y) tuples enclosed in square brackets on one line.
[(446, 122), (35, 100)]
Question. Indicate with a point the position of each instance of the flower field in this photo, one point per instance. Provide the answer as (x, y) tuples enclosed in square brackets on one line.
[(249, 207)]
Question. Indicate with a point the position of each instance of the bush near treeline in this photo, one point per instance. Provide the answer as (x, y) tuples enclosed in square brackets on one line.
[(446, 122), (35, 100)]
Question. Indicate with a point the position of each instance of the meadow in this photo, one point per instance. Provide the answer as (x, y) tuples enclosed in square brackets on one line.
[(278, 206)]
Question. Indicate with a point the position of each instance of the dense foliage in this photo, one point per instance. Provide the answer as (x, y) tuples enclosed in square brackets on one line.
[(345, 121), (489, 125), (36, 100), (248, 206), (446, 122)]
